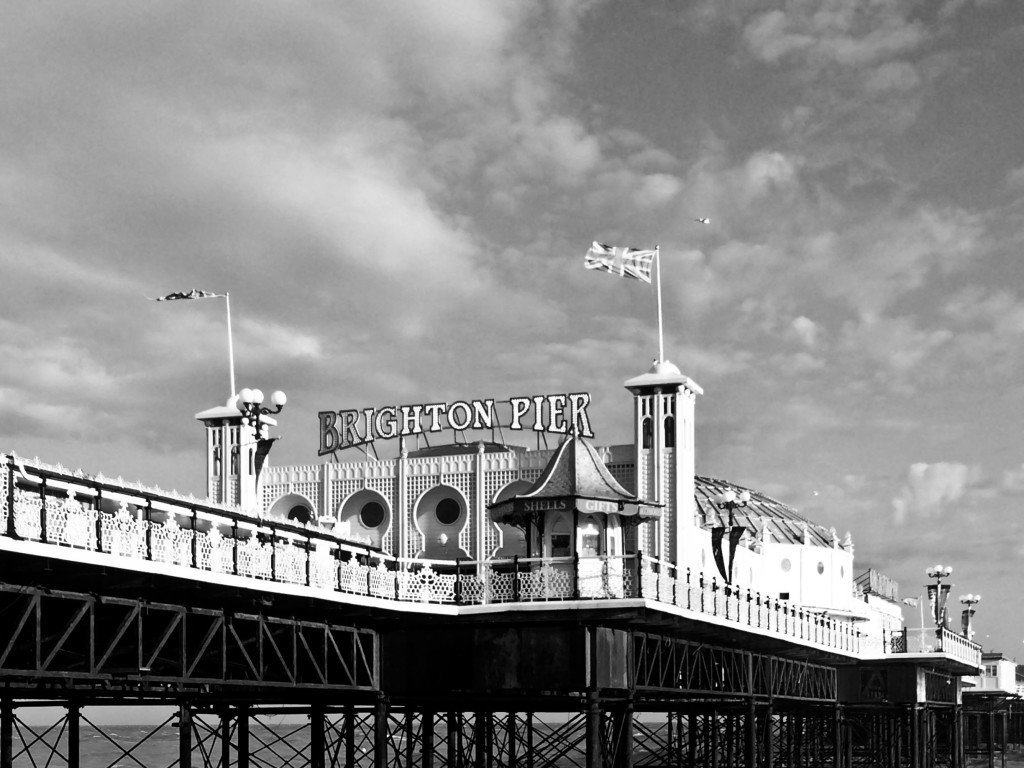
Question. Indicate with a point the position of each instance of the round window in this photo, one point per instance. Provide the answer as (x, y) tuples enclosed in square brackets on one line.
[(786, 564), (372, 514), (447, 511), (821, 568)]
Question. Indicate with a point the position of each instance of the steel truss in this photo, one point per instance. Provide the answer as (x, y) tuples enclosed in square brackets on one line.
[(72, 640), (670, 664)]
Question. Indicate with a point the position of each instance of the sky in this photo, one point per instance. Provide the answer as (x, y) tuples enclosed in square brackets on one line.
[(398, 198)]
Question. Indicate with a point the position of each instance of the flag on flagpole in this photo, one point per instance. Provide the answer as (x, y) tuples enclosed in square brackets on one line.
[(195, 293), (624, 262)]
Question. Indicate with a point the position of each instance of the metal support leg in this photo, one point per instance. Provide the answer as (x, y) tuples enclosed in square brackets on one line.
[(242, 737), (593, 731), (317, 742), (6, 733), (350, 736), (225, 738), (74, 735), (428, 739), (512, 757), (184, 736), (750, 734), (380, 733)]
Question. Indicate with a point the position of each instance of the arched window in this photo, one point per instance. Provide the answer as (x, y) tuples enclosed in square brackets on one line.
[(646, 432), (670, 432), (300, 514)]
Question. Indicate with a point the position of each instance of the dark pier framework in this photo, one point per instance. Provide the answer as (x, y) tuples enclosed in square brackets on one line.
[(248, 680)]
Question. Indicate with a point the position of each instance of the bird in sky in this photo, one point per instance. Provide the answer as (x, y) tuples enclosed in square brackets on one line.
[(703, 220)]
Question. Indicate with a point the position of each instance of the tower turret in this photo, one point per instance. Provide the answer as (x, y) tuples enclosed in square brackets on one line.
[(663, 414), (232, 448)]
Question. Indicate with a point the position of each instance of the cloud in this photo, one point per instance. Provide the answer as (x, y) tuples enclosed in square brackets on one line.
[(930, 489), (806, 330)]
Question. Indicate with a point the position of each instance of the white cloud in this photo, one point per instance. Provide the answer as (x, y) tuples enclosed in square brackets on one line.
[(806, 330), (930, 489)]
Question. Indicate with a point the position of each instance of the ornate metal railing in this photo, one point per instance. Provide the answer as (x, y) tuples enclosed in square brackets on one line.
[(54, 506)]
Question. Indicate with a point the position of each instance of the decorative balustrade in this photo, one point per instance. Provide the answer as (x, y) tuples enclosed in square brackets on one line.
[(936, 640), (56, 507)]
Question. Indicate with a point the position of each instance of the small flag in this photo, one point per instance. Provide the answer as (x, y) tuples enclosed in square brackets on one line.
[(624, 262), (195, 293), (911, 601)]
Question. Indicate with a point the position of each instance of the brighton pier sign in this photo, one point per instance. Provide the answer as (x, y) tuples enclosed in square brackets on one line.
[(559, 414)]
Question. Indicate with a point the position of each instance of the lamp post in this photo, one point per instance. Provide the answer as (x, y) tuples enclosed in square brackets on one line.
[(730, 500), (970, 600), (937, 594), (250, 404)]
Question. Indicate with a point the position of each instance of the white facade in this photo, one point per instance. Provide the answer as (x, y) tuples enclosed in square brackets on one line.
[(432, 504)]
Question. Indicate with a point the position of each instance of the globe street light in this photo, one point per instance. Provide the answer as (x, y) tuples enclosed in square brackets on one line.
[(250, 402), (970, 600), (730, 500), (938, 593)]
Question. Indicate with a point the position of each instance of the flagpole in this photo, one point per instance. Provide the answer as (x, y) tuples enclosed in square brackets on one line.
[(231, 349), (661, 334)]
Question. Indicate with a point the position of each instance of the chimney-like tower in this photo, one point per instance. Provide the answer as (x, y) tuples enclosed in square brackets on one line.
[(663, 412), (231, 457)]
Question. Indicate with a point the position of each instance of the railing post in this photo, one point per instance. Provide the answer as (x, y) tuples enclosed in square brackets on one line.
[(309, 563), (195, 537), (234, 547), (273, 556), (714, 595), (396, 581), (458, 581), (147, 521), (99, 520), (688, 596), (575, 575), (515, 578), (639, 574), (369, 574), (9, 501), (42, 511)]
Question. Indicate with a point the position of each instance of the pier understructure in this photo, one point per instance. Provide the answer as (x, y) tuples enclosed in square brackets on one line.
[(261, 643)]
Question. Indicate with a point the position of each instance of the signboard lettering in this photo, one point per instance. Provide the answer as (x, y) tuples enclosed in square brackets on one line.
[(558, 413)]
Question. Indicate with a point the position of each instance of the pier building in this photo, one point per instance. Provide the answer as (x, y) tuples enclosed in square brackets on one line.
[(468, 603)]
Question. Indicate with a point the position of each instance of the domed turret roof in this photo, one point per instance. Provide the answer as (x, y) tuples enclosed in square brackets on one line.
[(785, 523)]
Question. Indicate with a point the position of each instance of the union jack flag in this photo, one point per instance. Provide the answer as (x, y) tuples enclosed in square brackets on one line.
[(195, 293), (624, 262)]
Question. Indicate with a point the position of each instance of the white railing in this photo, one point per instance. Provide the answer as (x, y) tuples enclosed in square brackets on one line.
[(936, 640), (59, 508)]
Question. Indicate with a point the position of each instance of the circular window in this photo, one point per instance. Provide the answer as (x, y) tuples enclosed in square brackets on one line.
[(299, 514), (372, 514), (447, 511), (821, 568), (786, 564)]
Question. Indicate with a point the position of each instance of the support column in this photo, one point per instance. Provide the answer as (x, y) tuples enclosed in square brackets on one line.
[(184, 736), (623, 757), (593, 725), (513, 761), (837, 736), (350, 736), (242, 737), (750, 734), (769, 743), (380, 733), (6, 732), (317, 742), (428, 740), (74, 735), (225, 737), (529, 740)]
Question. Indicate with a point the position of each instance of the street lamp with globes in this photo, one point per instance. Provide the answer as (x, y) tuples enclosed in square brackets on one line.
[(939, 572), (250, 404)]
